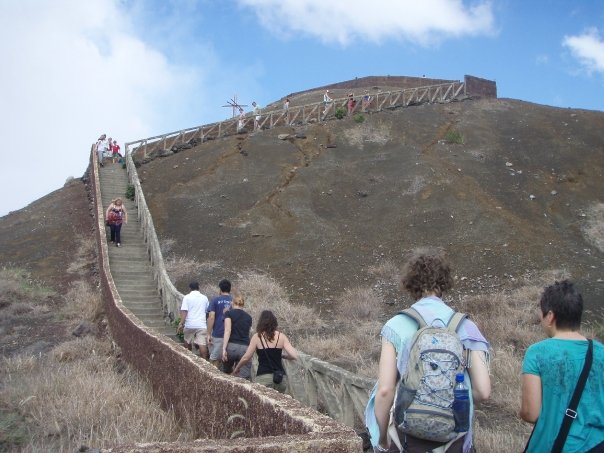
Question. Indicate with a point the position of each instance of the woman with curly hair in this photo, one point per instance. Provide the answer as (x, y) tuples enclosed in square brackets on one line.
[(269, 344), (427, 276)]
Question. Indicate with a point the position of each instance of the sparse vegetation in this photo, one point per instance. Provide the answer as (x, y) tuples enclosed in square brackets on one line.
[(130, 192), (340, 113), (358, 118), (454, 136), (79, 392)]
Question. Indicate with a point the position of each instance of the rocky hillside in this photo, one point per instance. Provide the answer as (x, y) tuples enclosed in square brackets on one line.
[(508, 188)]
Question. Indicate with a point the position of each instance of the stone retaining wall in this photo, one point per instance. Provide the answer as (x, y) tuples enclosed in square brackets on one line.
[(216, 405), (475, 86)]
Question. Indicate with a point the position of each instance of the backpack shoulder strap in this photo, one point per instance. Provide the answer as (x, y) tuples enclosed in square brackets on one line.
[(455, 321), (414, 314)]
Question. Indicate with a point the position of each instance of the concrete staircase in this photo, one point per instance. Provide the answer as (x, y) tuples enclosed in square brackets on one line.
[(130, 266)]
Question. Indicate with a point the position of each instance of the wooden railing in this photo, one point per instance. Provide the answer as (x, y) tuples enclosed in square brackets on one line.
[(303, 114)]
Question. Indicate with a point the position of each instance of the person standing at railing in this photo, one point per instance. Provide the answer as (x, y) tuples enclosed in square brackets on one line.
[(286, 110), (366, 101), (102, 146), (351, 103), (257, 116), (327, 100), (241, 122), (268, 343), (237, 325)]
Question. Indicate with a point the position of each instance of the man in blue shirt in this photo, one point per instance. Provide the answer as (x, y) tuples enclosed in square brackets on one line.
[(219, 305)]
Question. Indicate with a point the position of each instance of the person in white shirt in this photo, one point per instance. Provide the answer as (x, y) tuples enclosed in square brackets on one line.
[(327, 100), (102, 146), (193, 321)]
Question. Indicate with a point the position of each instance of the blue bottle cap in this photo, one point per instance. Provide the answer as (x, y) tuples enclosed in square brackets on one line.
[(459, 377)]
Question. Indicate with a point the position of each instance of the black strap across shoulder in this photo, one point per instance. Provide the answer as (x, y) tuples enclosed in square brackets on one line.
[(571, 412), (274, 366)]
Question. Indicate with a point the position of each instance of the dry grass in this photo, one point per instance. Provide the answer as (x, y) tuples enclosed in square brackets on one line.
[(386, 270), (185, 269), (593, 230), (361, 304), (82, 301), (356, 348), (75, 397), (81, 261), (262, 292), (78, 393)]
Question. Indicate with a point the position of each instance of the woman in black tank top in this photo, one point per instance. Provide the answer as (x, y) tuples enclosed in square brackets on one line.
[(269, 344)]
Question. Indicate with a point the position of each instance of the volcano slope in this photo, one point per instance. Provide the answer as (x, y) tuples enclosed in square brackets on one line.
[(522, 193)]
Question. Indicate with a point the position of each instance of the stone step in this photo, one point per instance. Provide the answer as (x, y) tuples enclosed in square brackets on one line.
[(119, 267), (141, 301), (127, 285), (146, 311), (127, 294)]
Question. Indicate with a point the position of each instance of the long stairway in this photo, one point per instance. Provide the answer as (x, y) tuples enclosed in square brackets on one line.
[(130, 266)]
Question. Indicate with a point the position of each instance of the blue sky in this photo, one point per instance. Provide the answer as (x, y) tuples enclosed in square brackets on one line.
[(74, 69)]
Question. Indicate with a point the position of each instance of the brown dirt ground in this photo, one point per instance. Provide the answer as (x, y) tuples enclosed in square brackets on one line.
[(516, 198), (45, 239)]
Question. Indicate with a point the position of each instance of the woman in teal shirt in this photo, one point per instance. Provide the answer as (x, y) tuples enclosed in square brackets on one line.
[(550, 372)]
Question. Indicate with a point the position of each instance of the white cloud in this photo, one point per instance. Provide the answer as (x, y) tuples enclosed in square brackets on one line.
[(71, 71), (588, 48), (343, 21)]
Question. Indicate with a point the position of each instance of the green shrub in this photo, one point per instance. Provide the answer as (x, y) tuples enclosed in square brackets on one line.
[(179, 334), (340, 113), (454, 136), (358, 118), (130, 192)]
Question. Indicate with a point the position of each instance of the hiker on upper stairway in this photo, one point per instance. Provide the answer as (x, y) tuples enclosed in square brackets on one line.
[(116, 215), (426, 277), (366, 101), (102, 147), (257, 116), (327, 100), (115, 151), (351, 103)]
